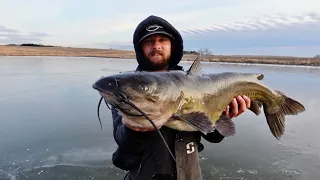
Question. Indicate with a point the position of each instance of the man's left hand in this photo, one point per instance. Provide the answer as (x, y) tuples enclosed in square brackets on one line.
[(238, 106)]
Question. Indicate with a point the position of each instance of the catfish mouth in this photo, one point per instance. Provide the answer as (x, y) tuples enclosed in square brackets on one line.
[(119, 100), (111, 96)]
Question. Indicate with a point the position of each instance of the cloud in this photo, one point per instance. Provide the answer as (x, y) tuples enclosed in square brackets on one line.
[(12, 36), (271, 35), (224, 26), (6, 30), (262, 23), (279, 34)]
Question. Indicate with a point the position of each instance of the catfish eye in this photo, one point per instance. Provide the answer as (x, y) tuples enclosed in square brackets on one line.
[(144, 87)]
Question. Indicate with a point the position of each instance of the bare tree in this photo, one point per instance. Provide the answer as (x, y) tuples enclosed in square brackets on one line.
[(205, 51)]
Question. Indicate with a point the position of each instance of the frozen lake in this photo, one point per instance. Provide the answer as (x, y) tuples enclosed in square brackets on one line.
[(49, 127)]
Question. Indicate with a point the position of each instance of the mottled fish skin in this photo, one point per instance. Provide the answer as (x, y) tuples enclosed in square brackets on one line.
[(211, 93), (195, 102)]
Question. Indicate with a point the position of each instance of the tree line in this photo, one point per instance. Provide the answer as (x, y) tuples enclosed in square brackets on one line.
[(204, 51), (32, 44)]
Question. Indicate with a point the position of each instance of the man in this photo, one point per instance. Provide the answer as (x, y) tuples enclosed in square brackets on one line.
[(159, 47)]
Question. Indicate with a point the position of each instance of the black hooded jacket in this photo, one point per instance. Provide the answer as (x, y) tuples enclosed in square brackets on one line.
[(144, 154), (177, 43)]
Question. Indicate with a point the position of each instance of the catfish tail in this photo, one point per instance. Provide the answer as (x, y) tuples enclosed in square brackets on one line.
[(276, 119)]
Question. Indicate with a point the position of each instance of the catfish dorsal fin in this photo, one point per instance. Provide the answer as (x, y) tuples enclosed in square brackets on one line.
[(195, 67)]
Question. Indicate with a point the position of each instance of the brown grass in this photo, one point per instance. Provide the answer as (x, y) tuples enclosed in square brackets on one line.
[(106, 53), (259, 60), (64, 51)]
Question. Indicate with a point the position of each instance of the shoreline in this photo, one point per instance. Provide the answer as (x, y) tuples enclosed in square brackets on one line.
[(127, 54)]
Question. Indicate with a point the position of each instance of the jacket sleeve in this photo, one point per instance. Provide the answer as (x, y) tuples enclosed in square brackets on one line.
[(214, 137), (127, 139)]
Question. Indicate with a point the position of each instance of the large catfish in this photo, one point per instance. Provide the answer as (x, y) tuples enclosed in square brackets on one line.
[(191, 101)]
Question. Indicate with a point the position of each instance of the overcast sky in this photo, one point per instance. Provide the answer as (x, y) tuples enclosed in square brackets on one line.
[(272, 27)]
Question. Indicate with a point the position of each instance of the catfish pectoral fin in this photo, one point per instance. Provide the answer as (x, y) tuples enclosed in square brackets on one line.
[(255, 107), (225, 126), (198, 120), (276, 120)]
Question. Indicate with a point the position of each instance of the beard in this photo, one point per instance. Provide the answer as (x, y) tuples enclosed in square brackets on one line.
[(159, 65)]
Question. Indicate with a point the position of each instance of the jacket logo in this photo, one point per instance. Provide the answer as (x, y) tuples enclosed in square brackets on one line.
[(153, 27), (190, 147)]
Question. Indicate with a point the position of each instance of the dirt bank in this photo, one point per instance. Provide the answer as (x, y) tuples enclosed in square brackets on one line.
[(108, 53)]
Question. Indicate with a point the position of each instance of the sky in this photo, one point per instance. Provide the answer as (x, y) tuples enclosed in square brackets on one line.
[(228, 27)]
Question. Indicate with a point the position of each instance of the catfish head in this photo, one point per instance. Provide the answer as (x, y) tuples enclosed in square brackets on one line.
[(154, 93)]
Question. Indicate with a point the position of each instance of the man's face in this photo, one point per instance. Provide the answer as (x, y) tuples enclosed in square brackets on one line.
[(157, 49)]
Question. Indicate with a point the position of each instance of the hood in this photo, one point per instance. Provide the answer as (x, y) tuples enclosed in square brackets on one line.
[(177, 42)]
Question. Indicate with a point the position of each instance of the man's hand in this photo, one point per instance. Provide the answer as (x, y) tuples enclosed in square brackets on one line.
[(238, 106)]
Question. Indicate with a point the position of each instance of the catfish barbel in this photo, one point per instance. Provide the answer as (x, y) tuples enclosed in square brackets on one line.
[(192, 101)]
